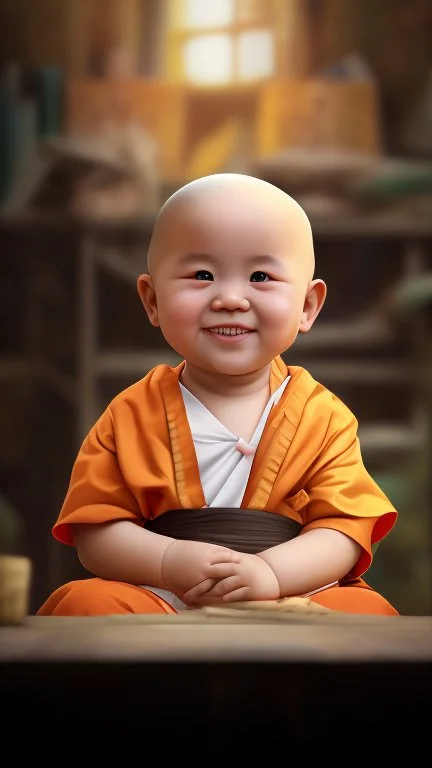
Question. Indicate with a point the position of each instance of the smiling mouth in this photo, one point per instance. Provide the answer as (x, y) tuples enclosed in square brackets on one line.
[(229, 331)]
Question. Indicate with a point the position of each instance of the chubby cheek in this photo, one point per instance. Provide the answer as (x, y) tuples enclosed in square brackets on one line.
[(178, 311), (279, 313)]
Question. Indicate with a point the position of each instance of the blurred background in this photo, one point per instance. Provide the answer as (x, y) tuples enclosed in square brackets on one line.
[(108, 106)]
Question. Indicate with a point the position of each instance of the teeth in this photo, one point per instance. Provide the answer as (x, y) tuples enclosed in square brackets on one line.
[(228, 331)]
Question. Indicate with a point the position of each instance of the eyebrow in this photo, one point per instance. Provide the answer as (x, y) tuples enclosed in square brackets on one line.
[(253, 259)]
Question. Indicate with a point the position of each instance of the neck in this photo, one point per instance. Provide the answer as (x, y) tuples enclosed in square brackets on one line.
[(201, 382)]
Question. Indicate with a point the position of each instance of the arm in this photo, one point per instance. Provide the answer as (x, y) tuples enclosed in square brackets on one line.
[(312, 560), (123, 551)]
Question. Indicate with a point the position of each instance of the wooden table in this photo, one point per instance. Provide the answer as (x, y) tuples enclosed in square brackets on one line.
[(209, 684)]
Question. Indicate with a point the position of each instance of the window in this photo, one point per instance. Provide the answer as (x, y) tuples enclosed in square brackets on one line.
[(220, 42)]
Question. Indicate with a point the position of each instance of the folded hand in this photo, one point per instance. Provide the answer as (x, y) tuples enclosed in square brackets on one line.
[(185, 565), (237, 577)]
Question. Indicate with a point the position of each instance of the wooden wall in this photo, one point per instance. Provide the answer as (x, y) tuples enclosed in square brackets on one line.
[(78, 35)]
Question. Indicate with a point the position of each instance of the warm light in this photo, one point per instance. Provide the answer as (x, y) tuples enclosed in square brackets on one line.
[(255, 55), (208, 59), (209, 13)]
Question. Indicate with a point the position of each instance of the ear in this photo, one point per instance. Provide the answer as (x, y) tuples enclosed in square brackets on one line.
[(314, 300), (147, 295)]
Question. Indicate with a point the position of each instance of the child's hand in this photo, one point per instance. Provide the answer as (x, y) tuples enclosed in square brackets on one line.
[(185, 565), (242, 577)]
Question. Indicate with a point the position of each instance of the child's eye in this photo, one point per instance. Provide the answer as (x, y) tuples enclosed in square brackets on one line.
[(203, 274), (259, 277)]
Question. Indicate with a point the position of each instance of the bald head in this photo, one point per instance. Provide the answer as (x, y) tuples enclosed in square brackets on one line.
[(234, 201), (231, 251)]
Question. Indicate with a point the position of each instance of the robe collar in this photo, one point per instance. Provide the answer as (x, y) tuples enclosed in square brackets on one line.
[(272, 449)]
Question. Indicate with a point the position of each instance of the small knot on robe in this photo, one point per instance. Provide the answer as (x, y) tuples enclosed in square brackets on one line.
[(245, 448)]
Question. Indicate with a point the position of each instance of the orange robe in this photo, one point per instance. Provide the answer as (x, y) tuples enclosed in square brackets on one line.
[(139, 461)]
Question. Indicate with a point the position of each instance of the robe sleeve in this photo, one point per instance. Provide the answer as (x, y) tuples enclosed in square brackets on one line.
[(97, 490), (344, 496)]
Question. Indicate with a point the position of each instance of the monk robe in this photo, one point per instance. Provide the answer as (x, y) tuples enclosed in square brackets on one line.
[(139, 462)]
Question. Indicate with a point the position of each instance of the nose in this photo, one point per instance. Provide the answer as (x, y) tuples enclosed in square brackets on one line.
[(230, 299)]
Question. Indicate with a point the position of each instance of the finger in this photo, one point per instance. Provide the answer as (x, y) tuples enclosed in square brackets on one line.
[(225, 586), (224, 556), (218, 571), (198, 590), (204, 601), (236, 595)]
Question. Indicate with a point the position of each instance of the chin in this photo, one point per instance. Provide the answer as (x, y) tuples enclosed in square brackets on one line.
[(237, 370)]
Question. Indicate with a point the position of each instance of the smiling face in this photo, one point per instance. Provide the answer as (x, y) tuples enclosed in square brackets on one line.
[(230, 284)]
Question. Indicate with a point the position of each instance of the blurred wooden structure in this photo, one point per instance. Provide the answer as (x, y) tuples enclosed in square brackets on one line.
[(93, 104), (149, 31), (270, 116), (318, 113), (77, 35)]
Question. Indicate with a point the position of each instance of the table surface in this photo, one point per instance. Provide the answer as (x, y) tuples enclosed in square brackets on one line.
[(211, 636), (260, 682)]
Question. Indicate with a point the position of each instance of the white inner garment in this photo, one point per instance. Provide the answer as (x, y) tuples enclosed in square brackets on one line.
[(224, 470)]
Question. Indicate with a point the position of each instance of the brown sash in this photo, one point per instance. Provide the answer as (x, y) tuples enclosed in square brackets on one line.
[(245, 530)]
